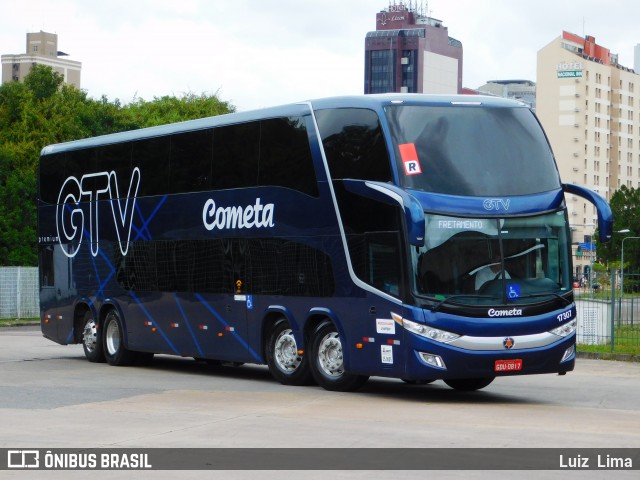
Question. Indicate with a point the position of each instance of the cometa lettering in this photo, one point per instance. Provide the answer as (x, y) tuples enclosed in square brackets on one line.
[(227, 218), (514, 312)]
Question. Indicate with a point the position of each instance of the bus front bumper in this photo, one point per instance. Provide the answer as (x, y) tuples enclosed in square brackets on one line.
[(435, 360)]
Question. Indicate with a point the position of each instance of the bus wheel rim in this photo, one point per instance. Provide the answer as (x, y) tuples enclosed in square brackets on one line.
[(330, 356), (90, 335), (285, 352), (112, 336)]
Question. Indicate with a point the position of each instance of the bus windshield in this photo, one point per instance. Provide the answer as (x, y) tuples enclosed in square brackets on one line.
[(469, 150), (487, 260)]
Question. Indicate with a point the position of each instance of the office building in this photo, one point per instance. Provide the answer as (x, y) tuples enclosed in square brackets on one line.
[(42, 49), (410, 52), (589, 105), (521, 90)]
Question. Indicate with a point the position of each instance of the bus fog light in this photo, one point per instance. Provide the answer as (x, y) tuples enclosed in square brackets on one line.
[(433, 360), (568, 353)]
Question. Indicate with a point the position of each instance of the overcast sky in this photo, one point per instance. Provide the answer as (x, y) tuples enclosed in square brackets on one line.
[(258, 53)]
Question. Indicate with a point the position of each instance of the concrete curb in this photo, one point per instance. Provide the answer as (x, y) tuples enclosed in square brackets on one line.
[(619, 357)]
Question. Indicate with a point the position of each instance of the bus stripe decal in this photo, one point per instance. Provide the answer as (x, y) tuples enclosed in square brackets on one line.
[(145, 222), (150, 317), (186, 321), (225, 324)]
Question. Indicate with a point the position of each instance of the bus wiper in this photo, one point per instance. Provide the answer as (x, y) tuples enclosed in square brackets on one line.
[(532, 295), (437, 306)]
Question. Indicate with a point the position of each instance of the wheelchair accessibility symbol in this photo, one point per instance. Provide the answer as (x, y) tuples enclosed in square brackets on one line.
[(513, 290)]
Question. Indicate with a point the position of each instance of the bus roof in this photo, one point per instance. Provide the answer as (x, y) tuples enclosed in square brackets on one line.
[(374, 102)]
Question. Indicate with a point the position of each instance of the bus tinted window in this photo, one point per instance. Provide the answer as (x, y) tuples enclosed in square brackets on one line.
[(150, 155), (263, 266), (191, 157), (463, 150), (110, 158), (235, 156), (374, 240), (52, 176), (354, 144), (285, 156)]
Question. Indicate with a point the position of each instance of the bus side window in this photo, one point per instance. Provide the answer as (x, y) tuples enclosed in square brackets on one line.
[(354, 144), (149, 155), (373, 239), (236, 151), (191, 158), (285, 155)]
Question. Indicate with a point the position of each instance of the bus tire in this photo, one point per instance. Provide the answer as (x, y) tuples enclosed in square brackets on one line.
[(92, 338), (285, 362), (113, 340), (327, 360), (468, 384)]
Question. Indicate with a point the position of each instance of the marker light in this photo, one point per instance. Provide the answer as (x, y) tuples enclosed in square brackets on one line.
[(431, 333), (566, 329)]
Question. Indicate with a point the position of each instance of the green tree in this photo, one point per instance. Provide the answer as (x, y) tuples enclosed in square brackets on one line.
[(43, 81), (625, 206), (170, 109)]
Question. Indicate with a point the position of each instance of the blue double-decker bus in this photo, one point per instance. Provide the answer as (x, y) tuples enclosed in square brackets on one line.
[(408, 236)]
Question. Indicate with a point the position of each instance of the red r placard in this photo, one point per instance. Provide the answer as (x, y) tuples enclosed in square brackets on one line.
[(409, 157)]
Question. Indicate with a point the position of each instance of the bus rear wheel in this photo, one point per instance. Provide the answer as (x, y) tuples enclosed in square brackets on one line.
[(286, 363), (327, 361), (113, 340), (468, 384), (92, 338)]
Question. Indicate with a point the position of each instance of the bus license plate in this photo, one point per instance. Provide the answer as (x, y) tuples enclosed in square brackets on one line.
[(508, 365)]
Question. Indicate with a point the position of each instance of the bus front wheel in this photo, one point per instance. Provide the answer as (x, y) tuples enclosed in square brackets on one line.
[(468, 384), (113, 336), (286, 363), (327, 360)]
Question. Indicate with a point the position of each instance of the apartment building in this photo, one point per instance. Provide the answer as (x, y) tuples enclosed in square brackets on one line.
[(589, 105), (42, 49)]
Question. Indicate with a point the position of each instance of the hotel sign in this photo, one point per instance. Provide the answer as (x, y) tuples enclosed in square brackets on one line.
[(569, 69), (396, 16)]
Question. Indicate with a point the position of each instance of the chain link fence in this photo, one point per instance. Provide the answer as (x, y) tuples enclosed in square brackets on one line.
[(19, 295), (609, 314)]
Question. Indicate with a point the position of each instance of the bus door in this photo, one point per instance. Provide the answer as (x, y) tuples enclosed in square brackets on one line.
[(55, 290)]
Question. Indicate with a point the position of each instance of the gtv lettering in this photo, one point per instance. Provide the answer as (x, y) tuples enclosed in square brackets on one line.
[(92, 187), (496, 204)]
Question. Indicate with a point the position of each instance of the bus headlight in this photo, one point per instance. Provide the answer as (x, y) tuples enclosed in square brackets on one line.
[(431, 333), (566, 329)]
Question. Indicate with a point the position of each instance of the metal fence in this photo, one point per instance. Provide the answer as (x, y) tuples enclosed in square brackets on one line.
[(19, 297), (608, 317)]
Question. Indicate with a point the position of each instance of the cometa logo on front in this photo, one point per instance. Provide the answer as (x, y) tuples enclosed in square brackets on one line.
[(514, 312)]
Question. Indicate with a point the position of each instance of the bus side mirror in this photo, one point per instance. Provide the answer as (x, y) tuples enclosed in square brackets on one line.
[(605, 217), (385, 192)]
